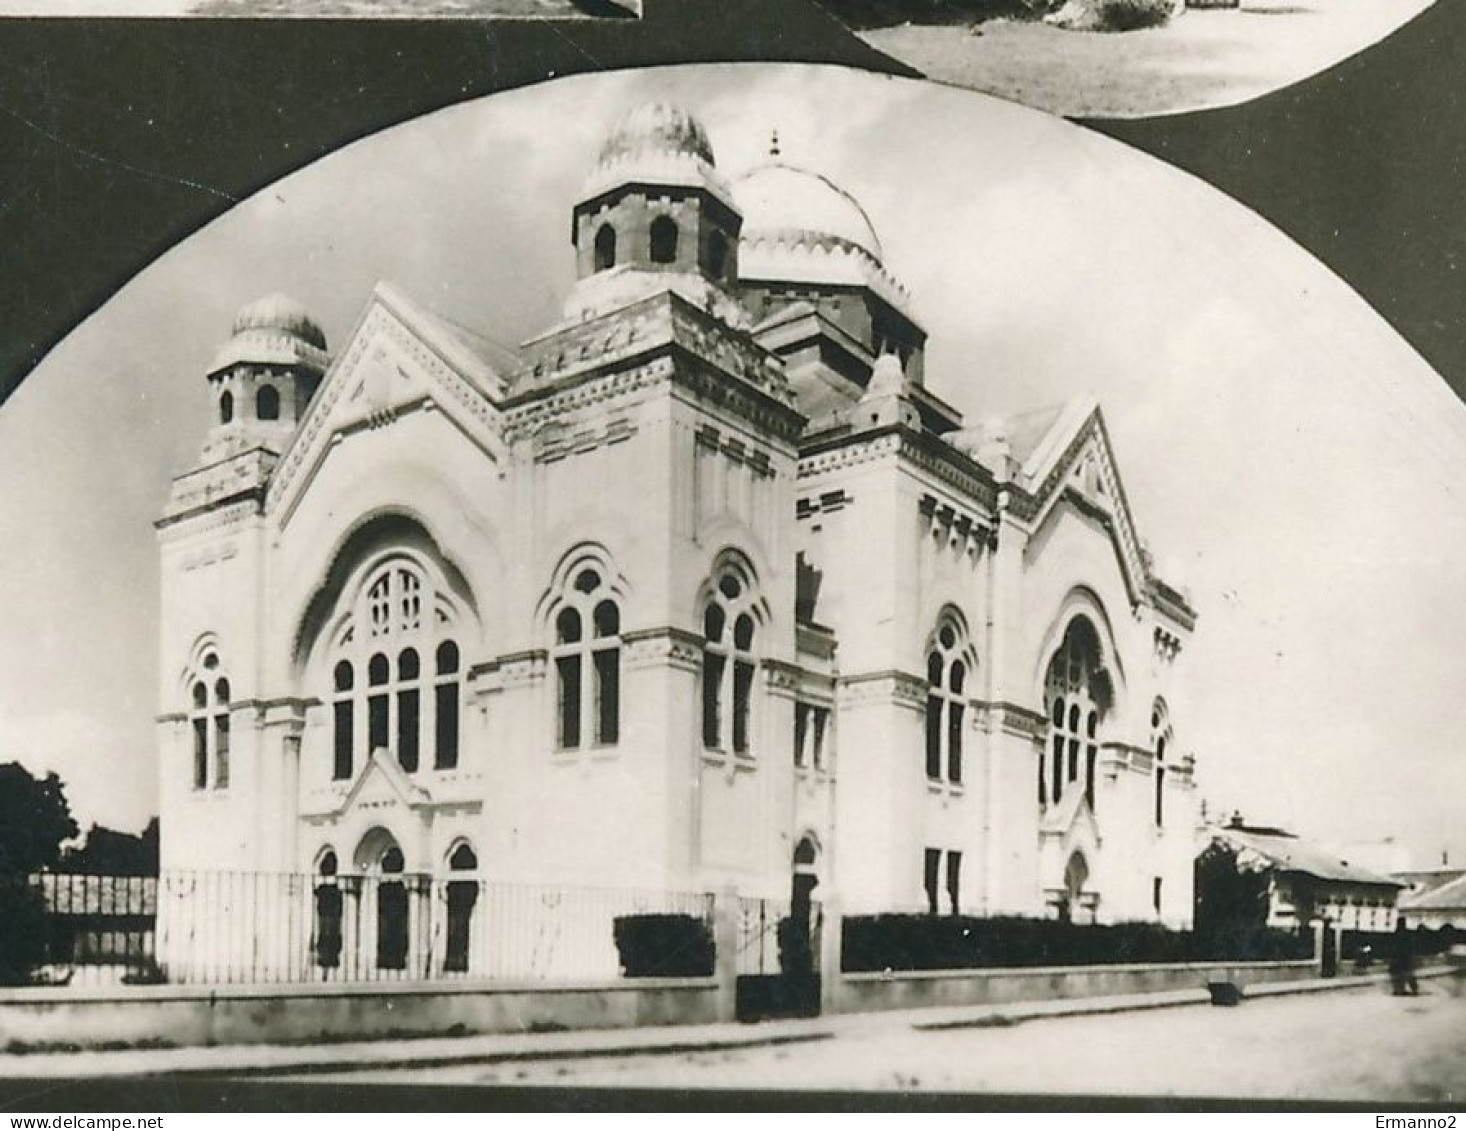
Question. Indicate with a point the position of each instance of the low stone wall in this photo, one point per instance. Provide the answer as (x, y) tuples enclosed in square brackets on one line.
[(268, 1014), (864, 992)]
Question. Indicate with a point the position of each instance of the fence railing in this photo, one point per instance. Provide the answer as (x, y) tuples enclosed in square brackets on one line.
[(205, 927), (98, 929)]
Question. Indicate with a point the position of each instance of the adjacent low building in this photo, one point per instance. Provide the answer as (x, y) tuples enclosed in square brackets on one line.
[(1299, 882)]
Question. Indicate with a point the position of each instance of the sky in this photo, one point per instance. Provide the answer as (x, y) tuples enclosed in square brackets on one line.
[(1289, 458)]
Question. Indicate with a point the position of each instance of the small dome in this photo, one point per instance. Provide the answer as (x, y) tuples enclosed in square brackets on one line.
[(656, 144), (275, 330), (657, 127), (781, 202), (887, 379), (280, 312)]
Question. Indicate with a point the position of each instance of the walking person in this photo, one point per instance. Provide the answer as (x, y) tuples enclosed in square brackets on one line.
[(1402, 961)]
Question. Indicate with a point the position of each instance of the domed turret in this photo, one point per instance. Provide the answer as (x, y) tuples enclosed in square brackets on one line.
[(263, 377), (654, 214), (656, 144), (274, 330)]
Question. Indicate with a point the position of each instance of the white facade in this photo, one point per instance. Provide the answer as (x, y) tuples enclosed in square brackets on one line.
[(700, 576)]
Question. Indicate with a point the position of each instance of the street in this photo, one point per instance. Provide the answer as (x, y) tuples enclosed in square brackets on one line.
[(1362, 1045)]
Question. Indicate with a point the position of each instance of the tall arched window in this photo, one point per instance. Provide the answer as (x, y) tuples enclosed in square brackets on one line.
[(209, 725), (946, 702), (398, 618), (587, 655), (1162, 738), (728, 666), (226, 407), (1078, 696), (329, 906), (663, 235), (717, 254), (445, 707), (343, 711), (392, 913), (605, 248), (462, 895), (267, 403)]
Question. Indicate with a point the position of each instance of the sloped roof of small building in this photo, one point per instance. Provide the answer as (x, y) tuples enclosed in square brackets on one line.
[(1283, 852), (1447, 897)]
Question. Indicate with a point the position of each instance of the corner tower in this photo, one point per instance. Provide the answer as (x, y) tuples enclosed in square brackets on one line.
[(655, 214), (263, 377)]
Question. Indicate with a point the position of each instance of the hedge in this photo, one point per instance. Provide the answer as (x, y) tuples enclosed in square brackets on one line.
[(23, 930), (664, 946), (961, 942)]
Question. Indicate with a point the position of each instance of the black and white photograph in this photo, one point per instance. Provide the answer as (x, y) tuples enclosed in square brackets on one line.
[(755, 580)]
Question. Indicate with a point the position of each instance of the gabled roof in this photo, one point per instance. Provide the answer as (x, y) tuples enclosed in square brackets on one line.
[(468, 374), (1282, 852), (476, 356)]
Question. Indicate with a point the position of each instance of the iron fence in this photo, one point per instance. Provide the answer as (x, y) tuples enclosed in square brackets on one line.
[(97, 929), (207, 927)]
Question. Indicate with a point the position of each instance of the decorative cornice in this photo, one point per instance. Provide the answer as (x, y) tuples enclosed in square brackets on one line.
[(841, 448), (891, 685)]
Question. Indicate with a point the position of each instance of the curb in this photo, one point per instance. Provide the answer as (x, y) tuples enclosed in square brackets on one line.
[(255, 1061)]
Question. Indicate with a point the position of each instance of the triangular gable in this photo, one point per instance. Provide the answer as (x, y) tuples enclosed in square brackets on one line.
[(1071, 819), (1075, 460), (398, 357), (382, 776)]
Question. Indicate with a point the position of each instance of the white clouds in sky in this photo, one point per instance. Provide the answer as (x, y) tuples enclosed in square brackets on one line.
[(1278, 440)]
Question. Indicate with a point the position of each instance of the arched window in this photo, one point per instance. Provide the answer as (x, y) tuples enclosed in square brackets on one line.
[(326, 944), (226, 407), (663, 234), (587, 654), (1162, 738), (717, 254), (398, 626), (392, 914), (605, 249), (946, 702), (267, 403), (1077, 694), (728, 665), (343, 710), (209, 725), (445, 706), (462, 896)]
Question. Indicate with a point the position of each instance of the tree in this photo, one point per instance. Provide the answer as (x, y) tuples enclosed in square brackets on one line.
[(34, 819), (107, 852)]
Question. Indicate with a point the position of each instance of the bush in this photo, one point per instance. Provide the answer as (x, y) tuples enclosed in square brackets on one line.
[(961, 942), (23, 936), (664, 946), (1131, 15)]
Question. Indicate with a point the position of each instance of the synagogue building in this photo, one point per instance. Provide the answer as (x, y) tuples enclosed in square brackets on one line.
[(704, 587)]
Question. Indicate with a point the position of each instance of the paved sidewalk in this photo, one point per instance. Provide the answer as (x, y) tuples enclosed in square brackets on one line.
[(250, 1060)]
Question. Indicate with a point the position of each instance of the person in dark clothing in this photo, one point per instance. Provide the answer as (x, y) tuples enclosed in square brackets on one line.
[(1402, 961)]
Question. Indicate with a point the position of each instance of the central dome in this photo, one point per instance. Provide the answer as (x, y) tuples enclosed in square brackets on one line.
[(781, 202)]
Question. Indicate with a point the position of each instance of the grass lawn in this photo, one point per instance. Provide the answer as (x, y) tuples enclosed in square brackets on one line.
[(1201, 58)]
